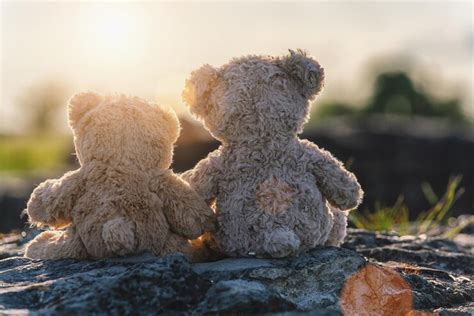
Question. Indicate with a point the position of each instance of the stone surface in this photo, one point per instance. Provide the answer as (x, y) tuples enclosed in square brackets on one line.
[(439, 271), (422, 274), (434, 252)]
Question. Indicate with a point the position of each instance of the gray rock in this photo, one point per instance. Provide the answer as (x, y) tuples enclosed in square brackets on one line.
[(241, 296), (166, 285), (313, 280), (434, 252), (439, 273)]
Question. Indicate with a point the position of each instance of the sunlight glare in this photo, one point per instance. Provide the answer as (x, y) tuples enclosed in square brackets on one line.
[(116, 32), (114, 28)]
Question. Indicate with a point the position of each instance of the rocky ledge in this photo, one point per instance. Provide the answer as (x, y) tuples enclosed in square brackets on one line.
[(372, 274)]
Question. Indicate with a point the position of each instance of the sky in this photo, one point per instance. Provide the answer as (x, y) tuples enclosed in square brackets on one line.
[(148, 49)]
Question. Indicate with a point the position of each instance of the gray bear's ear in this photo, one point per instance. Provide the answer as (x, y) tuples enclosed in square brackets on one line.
[(80, 104), (198, 89), (306, 72)]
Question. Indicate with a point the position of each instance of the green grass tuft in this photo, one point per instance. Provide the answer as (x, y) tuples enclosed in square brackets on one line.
[(397, 217)]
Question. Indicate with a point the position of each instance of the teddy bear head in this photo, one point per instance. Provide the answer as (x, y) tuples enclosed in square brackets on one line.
[(255, 96), (122, 130)]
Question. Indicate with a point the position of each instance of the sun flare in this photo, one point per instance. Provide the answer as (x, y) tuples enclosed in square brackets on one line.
[(114, 28), (116, 32)]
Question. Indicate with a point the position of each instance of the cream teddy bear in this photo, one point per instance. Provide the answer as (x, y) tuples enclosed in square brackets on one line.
[(275, 195), (123, 199)]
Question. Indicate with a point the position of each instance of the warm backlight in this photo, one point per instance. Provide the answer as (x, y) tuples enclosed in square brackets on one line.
[(114, 28)]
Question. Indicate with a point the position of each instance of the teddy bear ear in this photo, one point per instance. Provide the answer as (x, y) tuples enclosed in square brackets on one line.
[(170, 123), (305, 70), (198, 89), (80, 104)]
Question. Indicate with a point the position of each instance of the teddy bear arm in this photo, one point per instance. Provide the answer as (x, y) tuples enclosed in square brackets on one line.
[(186, 212), (203, 178), (339, 186), (52, 201)]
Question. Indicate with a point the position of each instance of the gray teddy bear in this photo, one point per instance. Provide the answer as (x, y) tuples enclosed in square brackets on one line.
[(274, 194)]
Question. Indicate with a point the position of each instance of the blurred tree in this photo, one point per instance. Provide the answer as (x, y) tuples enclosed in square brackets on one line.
[(41, 102), (395, 93), (327, 110)]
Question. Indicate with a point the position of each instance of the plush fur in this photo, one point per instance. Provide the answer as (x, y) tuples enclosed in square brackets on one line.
[(275, 195), (124, 198)]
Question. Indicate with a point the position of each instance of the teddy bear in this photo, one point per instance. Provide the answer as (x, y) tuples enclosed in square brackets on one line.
[(123, 199), (274, 194)]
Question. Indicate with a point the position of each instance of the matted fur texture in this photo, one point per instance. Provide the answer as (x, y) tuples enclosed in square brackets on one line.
[(124, 198), (275, 195)]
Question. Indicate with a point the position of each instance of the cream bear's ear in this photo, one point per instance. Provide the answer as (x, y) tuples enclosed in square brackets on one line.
[(198, 89), (80, 104), (306, 71), (170, 123)]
